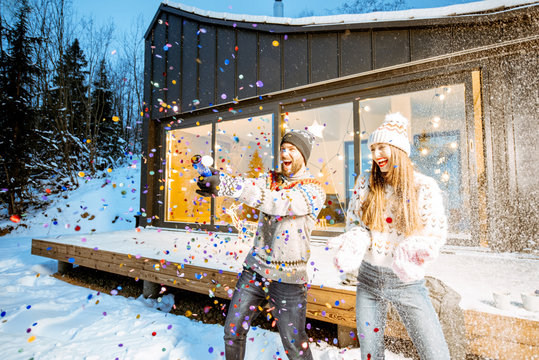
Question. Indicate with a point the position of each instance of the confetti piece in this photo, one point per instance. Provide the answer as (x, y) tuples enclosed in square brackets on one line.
[(31, 338), (81, 174), (389, 220), (154, 333), (71, 260), (210, 350), (275, 43), (15, 218)]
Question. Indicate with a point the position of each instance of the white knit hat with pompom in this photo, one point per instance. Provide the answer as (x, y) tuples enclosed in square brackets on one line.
[(393, 131)]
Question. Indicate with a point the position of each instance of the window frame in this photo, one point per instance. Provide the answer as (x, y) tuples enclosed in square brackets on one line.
[(384, 83)]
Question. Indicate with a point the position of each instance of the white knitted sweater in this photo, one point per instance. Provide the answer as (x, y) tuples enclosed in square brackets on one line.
[(281, 246), (379, 248)]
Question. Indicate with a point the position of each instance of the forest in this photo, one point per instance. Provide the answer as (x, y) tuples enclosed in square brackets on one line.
[(71, 99)]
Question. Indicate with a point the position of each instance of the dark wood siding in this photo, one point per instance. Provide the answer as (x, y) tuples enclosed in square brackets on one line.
[(356, 52), (270, 63), (189, 64), (428, 42), (206, 60), (246, 58), (159, 66), (174, 57), (324, 57), (391, 47), (226, 65), (296, 66)]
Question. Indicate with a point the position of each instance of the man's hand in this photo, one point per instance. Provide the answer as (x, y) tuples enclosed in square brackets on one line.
[(209, 185)]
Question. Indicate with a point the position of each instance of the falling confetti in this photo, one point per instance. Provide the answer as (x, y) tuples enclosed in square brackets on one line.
[(15, 218)]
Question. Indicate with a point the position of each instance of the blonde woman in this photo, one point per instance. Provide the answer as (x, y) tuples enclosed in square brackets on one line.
[(395, 227)]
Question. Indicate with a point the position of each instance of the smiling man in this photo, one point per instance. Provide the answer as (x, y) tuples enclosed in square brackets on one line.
[(275, 270)]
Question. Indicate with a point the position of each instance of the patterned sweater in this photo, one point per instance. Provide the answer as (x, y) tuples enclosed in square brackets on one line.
[(380, 248), (288, 215)]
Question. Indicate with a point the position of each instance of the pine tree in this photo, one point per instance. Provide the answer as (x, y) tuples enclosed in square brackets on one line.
[(367, 6), (17, 117), (106, 126), (71, 118)]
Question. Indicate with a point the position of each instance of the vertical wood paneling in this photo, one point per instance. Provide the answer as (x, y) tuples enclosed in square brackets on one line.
[(226, 65), (174, 56), (295, 64), (269, 60), (324, 57), (159, 65), (189, 64), (247, 64), (356, 52), (146, 121), (207, 57), (391, 47), (428, 42)]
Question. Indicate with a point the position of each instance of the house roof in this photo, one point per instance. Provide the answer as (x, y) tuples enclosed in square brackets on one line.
[(474, 8)]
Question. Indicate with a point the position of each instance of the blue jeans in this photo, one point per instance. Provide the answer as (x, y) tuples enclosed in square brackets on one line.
[(376, 288), (288, 304)]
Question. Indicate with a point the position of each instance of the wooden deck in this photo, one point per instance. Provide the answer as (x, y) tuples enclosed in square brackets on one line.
[(489, 335)]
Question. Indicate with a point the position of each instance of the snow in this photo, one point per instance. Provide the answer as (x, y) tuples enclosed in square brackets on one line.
[(45, 318), (431, 13), (42, 317)]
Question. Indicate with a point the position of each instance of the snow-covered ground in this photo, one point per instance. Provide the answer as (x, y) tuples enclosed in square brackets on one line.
[(45, 318)]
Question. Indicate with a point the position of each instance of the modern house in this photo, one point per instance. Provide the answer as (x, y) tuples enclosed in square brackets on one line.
[(230, 85)]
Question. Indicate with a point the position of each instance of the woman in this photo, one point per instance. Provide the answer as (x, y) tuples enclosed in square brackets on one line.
[(395, 226)]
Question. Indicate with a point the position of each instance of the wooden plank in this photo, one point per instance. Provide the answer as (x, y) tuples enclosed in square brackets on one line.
[(502, 350), (489, 335), (391, 47), (247, 64), (295, 55), (269, 60), (356, 52), (503, 328), (207, 66), (324, 56)]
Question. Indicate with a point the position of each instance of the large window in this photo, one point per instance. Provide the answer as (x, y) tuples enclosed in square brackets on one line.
[(243, 147), (332, 158), (437, 132), (182, 202)]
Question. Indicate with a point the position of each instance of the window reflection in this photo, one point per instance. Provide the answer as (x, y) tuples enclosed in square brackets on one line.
[(182, 202), (332, 159), (243, 147), (438, 136)]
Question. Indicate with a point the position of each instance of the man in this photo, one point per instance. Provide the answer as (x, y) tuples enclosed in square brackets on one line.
[(275, 270)]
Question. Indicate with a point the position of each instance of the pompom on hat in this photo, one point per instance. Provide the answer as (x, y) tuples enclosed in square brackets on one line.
[(393, 131), (302, 139)]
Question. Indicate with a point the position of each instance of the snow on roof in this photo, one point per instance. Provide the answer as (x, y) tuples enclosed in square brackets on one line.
[(415, 14)]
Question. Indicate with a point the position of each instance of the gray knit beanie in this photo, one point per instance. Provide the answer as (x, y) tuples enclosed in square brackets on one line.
[(302, 139)]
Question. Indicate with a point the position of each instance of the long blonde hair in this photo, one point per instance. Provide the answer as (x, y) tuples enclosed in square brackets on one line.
[(405, 210)]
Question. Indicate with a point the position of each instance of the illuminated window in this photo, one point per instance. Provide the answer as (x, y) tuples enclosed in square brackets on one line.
[(243, 147), (182, 201), (332, 159), (437, 132)]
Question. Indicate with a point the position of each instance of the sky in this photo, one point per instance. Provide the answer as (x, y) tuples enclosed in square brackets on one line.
[(123, 12)]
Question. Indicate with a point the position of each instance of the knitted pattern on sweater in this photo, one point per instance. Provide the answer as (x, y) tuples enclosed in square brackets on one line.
[(289, 209), (380, 247)]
